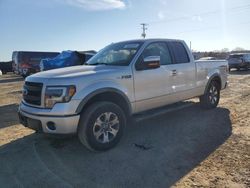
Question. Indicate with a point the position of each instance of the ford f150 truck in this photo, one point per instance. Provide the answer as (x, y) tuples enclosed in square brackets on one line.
[(95, 100)]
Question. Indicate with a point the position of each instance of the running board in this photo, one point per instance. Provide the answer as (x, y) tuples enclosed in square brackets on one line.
[(162, 110)]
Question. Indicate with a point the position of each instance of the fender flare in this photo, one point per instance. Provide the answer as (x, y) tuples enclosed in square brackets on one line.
[(216, 75), (100, 91)]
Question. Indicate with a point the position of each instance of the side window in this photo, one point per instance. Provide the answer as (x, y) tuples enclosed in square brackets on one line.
[(158, 49), (247, 57), (179, 52)]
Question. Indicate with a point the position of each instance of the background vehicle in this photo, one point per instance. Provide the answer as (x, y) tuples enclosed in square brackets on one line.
[(239, 60), (97, 99), (6, 67), (14, 62), (26, 63), (66, 59), (208, 58)]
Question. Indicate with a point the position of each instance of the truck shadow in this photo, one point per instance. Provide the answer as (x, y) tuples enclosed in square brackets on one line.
[(9, 115), (154, 153)]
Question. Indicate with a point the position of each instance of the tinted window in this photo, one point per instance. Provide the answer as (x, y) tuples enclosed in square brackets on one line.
[(179, 52), (158, 49), (35, 56), (247, 57), (236, 56)]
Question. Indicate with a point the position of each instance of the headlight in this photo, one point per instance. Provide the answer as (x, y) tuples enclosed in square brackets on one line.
[(58, 94)]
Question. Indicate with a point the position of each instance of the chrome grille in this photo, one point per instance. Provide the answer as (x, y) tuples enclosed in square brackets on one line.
[(32, 93)]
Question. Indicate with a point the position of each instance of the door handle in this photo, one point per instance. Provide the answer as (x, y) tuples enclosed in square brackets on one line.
[(174, 72)]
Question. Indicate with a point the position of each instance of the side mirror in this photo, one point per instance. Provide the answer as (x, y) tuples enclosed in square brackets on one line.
[(150, 62)]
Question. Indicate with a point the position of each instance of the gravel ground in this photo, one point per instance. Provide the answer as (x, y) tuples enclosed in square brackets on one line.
[(189, 147)]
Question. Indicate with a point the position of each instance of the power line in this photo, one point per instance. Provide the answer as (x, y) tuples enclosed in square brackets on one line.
[(208, 28), (237, 8)]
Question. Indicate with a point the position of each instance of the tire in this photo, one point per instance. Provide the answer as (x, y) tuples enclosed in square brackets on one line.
[(94, 130), (212, 96)]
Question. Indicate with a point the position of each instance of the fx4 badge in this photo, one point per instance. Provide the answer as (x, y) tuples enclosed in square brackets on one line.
[(125, 77)]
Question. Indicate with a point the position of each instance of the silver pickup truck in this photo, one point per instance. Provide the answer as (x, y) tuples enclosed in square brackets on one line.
[(95, 100)]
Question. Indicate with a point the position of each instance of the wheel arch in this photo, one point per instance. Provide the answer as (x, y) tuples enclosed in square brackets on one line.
[(106, 94), (215, 77)]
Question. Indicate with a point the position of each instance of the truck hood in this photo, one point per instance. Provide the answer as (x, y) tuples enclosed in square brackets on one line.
[(74, 71), (73, 75)]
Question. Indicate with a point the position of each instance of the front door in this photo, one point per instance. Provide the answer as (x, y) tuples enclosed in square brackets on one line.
[(152, 86)]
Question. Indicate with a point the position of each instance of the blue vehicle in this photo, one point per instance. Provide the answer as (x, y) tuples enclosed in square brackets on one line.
[(66, 59)]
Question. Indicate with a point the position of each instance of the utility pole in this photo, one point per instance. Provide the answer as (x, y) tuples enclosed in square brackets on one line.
[(144, 28), (190, 45)]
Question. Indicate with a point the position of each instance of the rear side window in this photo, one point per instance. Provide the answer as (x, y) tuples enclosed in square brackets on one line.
[(247, 57), (179, 52)]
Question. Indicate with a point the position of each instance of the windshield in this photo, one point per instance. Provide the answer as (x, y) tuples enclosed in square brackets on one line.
[(116, 54)]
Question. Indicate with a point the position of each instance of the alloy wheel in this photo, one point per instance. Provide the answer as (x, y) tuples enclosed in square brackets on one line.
[(106, 127), (213, 94)]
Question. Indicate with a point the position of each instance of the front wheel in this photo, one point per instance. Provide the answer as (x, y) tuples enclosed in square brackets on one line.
[(101, 126), (211, 97)]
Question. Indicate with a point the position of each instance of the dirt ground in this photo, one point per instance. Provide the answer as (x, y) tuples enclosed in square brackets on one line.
[(189, 147)]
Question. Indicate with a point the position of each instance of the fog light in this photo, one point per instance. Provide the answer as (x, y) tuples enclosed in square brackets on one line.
[(51, 125)]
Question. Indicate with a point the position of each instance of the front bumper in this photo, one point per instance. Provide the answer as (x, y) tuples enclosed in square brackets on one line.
[(49, 124)]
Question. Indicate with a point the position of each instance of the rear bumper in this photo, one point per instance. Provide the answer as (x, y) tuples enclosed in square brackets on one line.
[(49, 124), (226, 84)]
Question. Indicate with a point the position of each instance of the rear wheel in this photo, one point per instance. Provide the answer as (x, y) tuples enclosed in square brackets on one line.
[(101, 126), (212, 96)]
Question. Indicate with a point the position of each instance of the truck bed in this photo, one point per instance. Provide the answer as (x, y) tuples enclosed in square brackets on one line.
[(205, 68)]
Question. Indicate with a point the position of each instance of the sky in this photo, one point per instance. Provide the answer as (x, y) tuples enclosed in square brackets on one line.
[(57, 25)]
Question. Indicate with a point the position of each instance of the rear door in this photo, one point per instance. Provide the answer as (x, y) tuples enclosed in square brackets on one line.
[(183, 71)]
